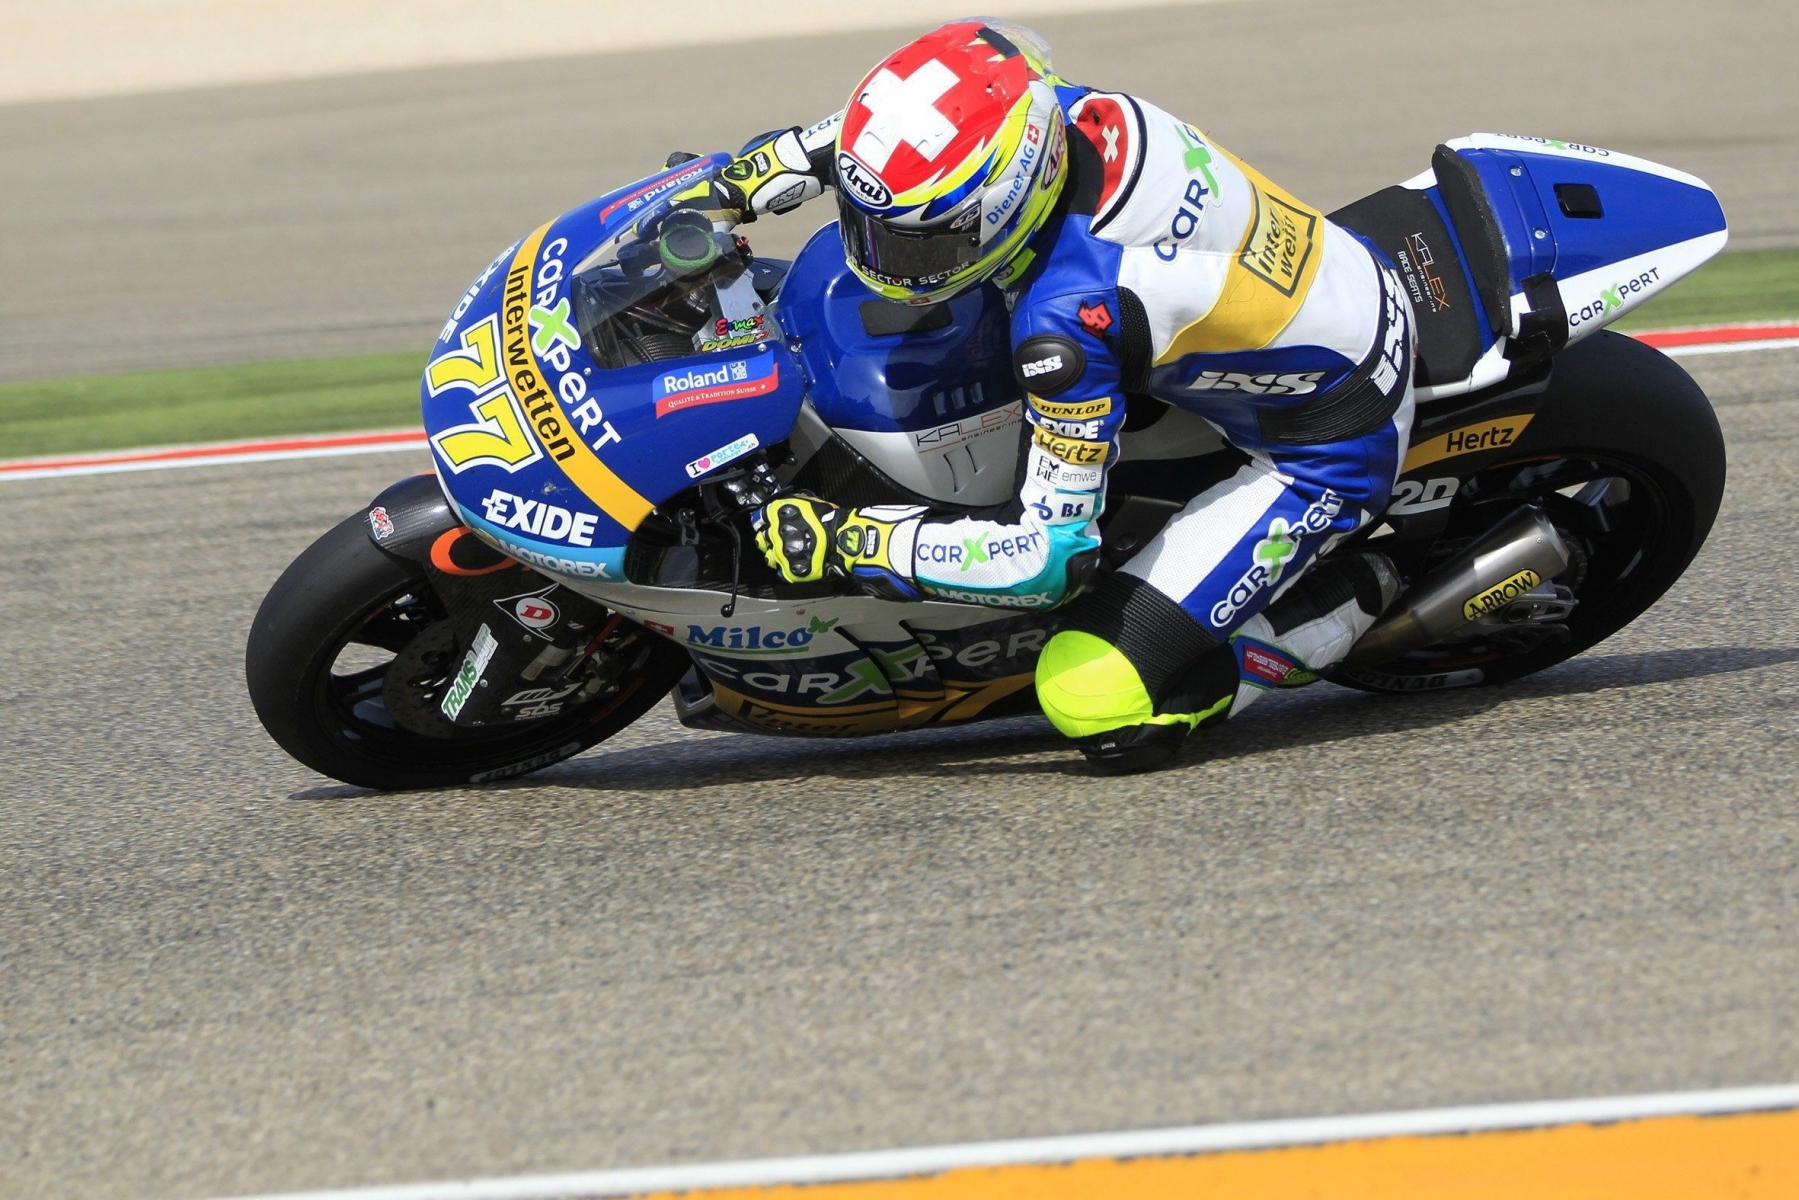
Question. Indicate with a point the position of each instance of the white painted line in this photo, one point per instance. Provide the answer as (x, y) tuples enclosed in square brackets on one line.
[(1197, 1139), (1730, 347), (169, 458)]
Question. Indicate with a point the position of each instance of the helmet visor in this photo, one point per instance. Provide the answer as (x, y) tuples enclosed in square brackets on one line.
[(908, 258)]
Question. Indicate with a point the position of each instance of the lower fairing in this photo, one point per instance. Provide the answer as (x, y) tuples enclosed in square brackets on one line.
[(839, 665)]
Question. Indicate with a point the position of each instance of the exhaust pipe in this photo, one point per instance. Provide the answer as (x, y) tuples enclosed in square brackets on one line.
[(1502, 564)]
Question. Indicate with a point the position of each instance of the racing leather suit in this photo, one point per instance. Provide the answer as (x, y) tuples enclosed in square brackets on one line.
[(1171, 270)]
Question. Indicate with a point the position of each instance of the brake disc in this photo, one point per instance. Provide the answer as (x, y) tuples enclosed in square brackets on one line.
[(417, 678)]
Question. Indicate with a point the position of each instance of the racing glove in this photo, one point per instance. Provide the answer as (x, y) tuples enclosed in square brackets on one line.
[(808, 540), (772, 174)]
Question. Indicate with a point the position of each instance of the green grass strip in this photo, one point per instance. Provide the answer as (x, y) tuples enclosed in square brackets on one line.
[(378, 391), (209, 404), (1739, 285)]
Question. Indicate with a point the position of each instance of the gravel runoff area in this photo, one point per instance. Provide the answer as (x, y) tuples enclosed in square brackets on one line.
[(220, 973)]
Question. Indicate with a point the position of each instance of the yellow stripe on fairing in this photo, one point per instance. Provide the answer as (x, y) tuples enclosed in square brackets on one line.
[(616, 498)]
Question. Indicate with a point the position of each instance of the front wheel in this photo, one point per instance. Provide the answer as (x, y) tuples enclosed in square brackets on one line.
[(1627, 461), (349, 629)]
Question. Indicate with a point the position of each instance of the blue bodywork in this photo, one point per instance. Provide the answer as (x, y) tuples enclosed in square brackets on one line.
[(897, 381), (587, 451), (1644, 209)]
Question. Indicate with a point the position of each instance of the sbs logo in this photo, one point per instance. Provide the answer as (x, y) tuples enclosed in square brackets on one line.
[(868, 189)]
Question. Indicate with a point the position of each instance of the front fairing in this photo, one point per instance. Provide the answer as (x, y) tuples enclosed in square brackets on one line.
[(553, 457)]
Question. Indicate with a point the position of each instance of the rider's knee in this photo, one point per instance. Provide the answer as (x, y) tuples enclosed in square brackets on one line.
[(1087, 686)]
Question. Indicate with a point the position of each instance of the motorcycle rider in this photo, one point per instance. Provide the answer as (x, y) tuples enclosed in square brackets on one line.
[(1139, 259)]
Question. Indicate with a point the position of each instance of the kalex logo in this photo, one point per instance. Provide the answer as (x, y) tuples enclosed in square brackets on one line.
[(735, 380)]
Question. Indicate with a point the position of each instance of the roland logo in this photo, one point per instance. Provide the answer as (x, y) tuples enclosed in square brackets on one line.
[(702, 377)]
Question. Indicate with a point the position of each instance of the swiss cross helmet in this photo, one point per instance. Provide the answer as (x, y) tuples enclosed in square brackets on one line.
[(950, 156)]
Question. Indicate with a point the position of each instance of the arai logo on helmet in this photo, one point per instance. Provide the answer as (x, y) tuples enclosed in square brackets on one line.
[(868, 190)]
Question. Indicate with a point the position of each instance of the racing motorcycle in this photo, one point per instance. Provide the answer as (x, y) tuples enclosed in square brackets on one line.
[(617, 392)]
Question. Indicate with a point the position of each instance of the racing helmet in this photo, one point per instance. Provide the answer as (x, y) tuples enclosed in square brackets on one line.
[(950, 156)]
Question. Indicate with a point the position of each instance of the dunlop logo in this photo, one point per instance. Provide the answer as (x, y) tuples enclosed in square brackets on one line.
[(1485, 604)]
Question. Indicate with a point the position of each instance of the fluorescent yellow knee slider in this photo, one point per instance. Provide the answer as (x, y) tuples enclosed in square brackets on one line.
[(1086, 687)]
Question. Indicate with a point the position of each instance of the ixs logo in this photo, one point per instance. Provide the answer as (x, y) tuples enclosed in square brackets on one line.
[(1612, 298), (1270, 383), (539, 519), (734, 380), (755, 637), (1040, 366), (861, 182), (1272, 553)]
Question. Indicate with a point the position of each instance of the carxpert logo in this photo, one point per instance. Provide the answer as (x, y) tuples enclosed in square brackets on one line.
[(738, 379), (1271, 553), (1612, 298), (965, 554)]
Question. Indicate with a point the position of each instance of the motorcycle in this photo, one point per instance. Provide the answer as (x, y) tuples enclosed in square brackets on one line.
[(617, 392)]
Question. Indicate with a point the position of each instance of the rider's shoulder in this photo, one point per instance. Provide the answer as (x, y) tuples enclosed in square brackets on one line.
[(1142, 167), (1066, 337)]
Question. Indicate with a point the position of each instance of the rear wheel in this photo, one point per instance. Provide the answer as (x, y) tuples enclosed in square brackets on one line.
[(352, 650), (1629, 466)]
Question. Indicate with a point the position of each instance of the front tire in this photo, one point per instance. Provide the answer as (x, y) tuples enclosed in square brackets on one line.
[(345, 597)]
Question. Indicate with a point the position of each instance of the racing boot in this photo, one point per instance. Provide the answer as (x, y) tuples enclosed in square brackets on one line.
[(1102, 680), (1105, 680), (1311, 628)]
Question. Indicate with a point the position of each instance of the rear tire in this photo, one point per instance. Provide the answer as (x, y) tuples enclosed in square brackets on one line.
[(344, 590), (1615, 409)]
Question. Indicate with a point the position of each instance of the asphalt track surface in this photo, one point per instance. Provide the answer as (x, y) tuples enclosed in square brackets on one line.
[(220, 973), (300, 219)]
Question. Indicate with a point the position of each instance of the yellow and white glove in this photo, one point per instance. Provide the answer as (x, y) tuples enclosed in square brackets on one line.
[(771, 175), (809, 540)]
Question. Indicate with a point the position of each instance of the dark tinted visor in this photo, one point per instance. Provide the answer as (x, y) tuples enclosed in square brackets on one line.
[(906, 257)]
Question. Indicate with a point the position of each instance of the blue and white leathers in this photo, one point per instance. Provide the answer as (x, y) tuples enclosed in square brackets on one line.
[(1173, 270)]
